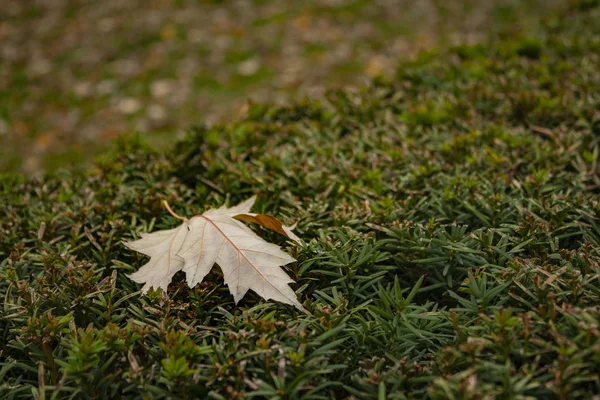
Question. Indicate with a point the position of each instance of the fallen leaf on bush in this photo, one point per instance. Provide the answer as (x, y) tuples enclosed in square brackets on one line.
[(161, 247), (218, 237)]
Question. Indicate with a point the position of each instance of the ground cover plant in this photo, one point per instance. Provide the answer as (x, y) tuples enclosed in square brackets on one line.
[(450, 239)]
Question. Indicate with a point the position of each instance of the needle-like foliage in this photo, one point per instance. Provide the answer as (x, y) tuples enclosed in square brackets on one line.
[(451, 235)]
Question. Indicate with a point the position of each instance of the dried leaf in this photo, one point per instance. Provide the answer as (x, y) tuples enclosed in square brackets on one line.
[(162, 247), (217, 237), (269, 222)]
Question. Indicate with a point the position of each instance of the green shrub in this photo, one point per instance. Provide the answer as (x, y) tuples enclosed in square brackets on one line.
[(451, 228)]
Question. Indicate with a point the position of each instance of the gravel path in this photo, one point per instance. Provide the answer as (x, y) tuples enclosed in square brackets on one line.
[(75, 74)]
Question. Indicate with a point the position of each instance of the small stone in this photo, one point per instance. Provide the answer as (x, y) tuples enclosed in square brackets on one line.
[(83, 89), (105, 87), (249, 67), (161, 88), (156, 113), (40, 67), (125, 67), (129, 105)]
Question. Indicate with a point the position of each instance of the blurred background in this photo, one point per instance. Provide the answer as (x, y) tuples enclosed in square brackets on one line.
[(74, 74)]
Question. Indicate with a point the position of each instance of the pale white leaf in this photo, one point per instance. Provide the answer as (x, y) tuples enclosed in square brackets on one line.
[(242, 208), (247, 260), (161, 247), (290, 234)]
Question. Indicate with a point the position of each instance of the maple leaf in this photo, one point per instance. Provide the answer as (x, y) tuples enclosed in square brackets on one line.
[(218, 237), (161, 247)]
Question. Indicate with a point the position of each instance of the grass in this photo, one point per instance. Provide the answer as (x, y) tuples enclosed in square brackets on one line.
[(451, 243)]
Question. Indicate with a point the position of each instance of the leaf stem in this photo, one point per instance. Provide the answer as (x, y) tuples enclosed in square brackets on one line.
[(164, 202)]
